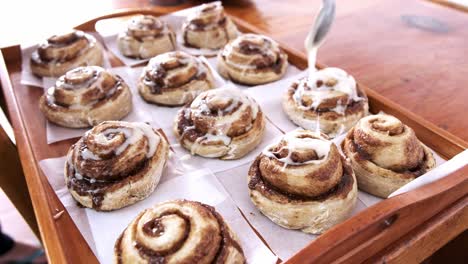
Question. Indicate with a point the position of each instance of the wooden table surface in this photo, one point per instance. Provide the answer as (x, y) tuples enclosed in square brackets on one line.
[(414, 52)]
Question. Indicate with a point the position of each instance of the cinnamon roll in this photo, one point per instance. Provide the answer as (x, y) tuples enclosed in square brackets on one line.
[(61, 53), (208, 27), (146, 36), (115, 164), (303, 182), (221, 123), (328, 101), (252, 59), (178, 231), (174, 78), (86, 96), (385, 154)]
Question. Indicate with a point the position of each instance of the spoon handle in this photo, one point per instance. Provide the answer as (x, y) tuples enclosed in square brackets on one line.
[(319, 30)]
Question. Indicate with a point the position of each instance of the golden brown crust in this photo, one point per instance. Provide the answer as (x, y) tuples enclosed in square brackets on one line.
[(252, 59), (385, 154), (329, 101), (115, 164), (220, 123), (61, 53), (208, 27), (86, 96), (146, 36), (174, 79), (303, 183), (178, 231)]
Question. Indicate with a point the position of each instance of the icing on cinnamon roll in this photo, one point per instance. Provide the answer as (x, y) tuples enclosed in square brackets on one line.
[(146, 36), (302, 182), (61, 53), (208, 27), (385, 154), (174, 78), (252, 59), (115, 164), (328, 101), (221, 123), (86, 96), (178, 231)]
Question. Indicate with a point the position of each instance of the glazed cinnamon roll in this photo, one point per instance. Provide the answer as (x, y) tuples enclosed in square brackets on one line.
[(145, 37), (174, 78), (61, 53), (86, 96), (221, 123), (328, 101), (302, 182), (252, 59), (385, 154), (178, 231), (208, 27), (115, 164)]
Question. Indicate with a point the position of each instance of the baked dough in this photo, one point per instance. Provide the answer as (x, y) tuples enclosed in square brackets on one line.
[(178, 231), (252, 59), (115, 164), (146, 36), (61, 53), (328, 101), (302, 182), (174, 79), (86, 96), (385, 154), (208, 27), (221, 123)]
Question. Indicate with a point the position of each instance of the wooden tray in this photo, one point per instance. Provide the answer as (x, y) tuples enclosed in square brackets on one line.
[(373, 233)]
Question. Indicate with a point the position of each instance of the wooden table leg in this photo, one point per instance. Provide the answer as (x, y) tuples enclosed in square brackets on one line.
[(13, 183)]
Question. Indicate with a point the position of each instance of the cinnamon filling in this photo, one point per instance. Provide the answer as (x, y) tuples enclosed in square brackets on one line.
[(94, 97), (156, 78), (258, 183), (414, 172), (88, 186), (160, 256)]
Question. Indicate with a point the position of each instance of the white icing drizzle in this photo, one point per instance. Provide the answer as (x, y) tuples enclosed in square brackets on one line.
[(183, 58), (200, 106), (268, 50), (345, 83), (320, 145), (133, 132), (79, 89), (217, 11), (218, 133)]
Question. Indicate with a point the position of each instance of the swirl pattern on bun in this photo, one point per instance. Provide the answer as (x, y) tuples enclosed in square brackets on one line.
[(86, 96), (174, 79), (220, 123), (302, 182), (146, 36), (178, 231), (385, 154), (208, 27), (328, 101), (115, 164), (61, 53), (252, 59)]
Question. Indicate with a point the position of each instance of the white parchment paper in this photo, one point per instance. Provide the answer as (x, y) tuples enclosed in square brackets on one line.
[(101, 229)]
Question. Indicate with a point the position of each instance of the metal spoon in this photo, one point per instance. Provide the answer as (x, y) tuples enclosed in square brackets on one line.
[(319, 30)]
